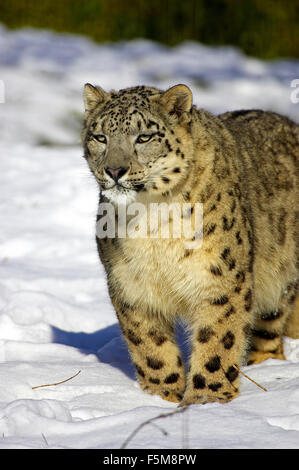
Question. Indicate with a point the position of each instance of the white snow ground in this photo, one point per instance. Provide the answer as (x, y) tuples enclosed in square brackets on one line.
[(55, 315)]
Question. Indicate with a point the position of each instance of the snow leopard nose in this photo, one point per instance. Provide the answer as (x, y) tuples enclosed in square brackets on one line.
[(116, 173)]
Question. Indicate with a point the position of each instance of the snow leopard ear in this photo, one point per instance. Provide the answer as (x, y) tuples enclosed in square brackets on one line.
[(93, 96), (177, 100)]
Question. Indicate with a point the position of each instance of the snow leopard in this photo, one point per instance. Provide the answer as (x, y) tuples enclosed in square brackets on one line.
[(237, 292)]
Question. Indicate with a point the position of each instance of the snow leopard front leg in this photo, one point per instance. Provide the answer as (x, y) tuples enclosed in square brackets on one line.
[(221, 333), (154, 352)]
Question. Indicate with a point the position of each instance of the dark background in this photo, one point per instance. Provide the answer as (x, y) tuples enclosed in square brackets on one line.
[(268, 29)]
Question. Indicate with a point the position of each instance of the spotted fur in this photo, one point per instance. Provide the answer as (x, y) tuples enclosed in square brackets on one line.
[(238, 291)]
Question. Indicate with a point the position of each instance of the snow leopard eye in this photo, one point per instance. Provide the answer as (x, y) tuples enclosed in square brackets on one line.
[(143, 138), (100, 138)]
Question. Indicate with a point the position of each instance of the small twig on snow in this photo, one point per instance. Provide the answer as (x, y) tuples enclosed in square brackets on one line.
[(57, 383), (263, 388), (150, 421), (44, 437)]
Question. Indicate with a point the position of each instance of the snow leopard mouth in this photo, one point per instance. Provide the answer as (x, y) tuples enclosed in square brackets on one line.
[(118, 194), (119, 186)]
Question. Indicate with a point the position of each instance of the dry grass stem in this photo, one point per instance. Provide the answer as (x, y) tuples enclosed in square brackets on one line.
[(44, 438), (150, 421), (57, 383), (260, 386)]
